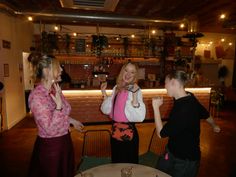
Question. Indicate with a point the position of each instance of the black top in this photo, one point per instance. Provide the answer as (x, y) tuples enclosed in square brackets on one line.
[(1, 85), (183, 127), (65, 77)]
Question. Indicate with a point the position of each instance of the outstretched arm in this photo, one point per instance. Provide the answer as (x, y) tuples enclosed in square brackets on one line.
[(76, 124), (215, 127), (156, 103)]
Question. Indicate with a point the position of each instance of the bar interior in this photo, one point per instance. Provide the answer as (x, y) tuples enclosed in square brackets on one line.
[(93, 41)]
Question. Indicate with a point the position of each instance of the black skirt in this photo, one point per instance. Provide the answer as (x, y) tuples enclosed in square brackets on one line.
[(125, 151), (52, 157)]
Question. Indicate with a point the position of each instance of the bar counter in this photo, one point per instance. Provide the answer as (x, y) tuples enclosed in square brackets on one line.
[(86, 103)]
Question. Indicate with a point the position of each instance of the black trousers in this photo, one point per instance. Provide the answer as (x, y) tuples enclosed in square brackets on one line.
[(125, 151), (177, 167)]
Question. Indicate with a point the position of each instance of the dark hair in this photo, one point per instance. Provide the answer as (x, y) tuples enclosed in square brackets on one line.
[(40, 61), (179, 75)]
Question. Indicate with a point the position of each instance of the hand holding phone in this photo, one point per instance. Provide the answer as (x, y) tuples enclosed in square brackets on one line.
[(130, 87), (133, 88)]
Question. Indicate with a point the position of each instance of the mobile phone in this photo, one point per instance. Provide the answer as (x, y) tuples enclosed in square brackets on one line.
[(130, 87)]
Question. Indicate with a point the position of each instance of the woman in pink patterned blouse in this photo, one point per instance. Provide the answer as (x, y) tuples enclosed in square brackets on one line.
[(53, 154)]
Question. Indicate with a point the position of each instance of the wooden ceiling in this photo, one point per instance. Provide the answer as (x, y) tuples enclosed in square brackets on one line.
[(165, 14)]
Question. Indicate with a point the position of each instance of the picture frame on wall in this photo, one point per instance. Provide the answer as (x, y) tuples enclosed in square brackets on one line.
[(6, 44), (6, 70)]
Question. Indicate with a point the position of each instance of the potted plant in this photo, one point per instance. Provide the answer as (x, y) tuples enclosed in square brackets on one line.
[(126, 45), (99, 43), (67, 42)]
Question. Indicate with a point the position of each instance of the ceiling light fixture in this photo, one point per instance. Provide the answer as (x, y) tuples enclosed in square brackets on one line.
[(56, 28), (30, 18), (182, 25), (222, 16), (222, 40)]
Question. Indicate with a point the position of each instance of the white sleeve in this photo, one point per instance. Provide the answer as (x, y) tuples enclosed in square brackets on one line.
[(107, 104), (135, 114)]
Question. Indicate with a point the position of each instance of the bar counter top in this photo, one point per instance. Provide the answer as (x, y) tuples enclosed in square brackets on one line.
[(86, 103)]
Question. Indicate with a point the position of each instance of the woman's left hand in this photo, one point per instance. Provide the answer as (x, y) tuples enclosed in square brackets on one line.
[(134, 88), (77, 125)]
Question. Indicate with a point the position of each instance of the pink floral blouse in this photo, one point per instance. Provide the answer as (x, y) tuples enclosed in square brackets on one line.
[(50, 122)]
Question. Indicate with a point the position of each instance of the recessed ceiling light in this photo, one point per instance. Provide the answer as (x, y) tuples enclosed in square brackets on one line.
[(182, 25), (222, 16), (30, 18), (56, 28)]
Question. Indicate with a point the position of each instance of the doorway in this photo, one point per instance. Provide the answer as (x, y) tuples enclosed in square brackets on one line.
[(28, 83)]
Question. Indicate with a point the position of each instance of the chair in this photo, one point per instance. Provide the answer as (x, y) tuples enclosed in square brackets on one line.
[(96, 149), (216, 101), (155, 149)]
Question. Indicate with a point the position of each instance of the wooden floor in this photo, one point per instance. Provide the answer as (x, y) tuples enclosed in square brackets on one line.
[(218, 149)]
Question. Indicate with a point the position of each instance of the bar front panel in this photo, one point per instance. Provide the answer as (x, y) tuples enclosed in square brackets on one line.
[(86, 103)]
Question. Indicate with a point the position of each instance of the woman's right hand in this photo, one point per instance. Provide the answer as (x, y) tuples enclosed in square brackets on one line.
[(57, 96), (103, 86), (103, 89)]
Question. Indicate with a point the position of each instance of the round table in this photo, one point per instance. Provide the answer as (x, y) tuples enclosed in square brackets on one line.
[(114, 170)]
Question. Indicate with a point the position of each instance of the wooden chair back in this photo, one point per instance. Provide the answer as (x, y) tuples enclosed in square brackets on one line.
[(157, 145), (97, 143)]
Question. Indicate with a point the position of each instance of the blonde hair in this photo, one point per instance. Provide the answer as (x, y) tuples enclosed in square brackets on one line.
[(39, 62), (119, 80)]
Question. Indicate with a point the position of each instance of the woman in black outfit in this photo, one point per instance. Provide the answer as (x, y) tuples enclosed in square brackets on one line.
[(182, 156)]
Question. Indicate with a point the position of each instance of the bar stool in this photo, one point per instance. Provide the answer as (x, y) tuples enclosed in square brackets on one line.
[(214, 108), (215, 103)]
